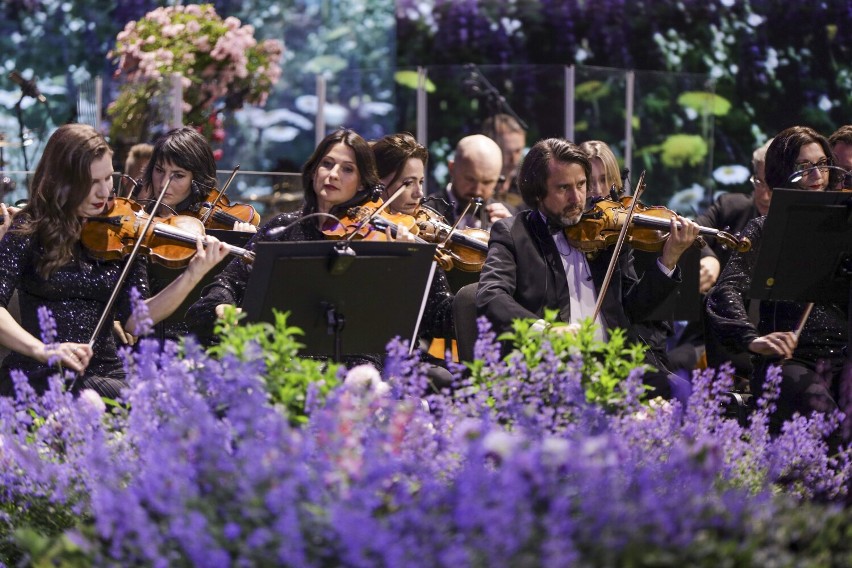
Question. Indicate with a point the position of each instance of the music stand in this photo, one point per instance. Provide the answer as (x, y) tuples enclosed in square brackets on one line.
[(805, 248), (344, 304)]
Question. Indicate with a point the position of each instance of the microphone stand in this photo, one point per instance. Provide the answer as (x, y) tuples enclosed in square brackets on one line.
[(20, 115), (479, 84)]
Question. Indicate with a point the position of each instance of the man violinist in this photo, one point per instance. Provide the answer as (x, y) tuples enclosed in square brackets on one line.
[(531, 266)]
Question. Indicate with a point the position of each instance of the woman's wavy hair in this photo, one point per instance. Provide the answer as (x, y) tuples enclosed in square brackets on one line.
[(535, 167), (392, 153), (61, 182), (784, 149), (186, 148), (365, 162)]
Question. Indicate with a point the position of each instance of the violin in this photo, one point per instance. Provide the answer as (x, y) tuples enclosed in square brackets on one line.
[(600, 226), (361, 222), (466, 247), (168, 241), (217, 212)]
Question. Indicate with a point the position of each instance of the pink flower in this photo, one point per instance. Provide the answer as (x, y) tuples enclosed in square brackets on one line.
[(218, 153)]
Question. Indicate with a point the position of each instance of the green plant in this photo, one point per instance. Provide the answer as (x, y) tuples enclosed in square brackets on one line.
[(288, 376)]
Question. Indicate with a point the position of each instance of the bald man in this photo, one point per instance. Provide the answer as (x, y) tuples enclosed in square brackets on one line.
[(474, 172)]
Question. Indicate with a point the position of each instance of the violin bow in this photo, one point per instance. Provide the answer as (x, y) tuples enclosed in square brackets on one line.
[(130, 258), (802, 321), (476, 203), (215, 202), (640, 187)]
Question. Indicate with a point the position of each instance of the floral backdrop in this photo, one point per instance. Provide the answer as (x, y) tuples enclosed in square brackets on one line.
[(767, 64)]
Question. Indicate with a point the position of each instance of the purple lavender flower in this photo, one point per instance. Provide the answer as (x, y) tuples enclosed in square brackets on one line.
[(143, 322)]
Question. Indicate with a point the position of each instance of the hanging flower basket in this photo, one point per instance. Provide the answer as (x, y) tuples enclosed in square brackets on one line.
[(220, 63)]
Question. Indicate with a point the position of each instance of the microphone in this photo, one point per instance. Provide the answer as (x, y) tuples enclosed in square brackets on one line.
[(28, 87), (797, 176)]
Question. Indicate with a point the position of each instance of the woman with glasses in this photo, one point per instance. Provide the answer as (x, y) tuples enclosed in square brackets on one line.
[(841, 147), (812, 363)]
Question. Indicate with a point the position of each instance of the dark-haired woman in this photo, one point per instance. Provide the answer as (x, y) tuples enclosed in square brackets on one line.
[(184, 155), (810, 366), (42, 257), (401, 165), (340, 174)]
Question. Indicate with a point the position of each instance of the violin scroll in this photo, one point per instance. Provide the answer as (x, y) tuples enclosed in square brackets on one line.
[(734, 243)]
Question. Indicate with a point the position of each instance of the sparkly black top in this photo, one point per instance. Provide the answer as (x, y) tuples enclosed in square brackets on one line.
[(823, 337), (230, 284), (75, 294)]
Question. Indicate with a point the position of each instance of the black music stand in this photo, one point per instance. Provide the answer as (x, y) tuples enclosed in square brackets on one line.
[(346, 304), (806, 249)]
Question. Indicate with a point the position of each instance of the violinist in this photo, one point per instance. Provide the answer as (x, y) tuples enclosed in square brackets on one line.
[(184, 155), (134, 167), (810, 365), (605, 172), (43, 259), (340, 174), (475, 171), (531, 266), (401, 165)]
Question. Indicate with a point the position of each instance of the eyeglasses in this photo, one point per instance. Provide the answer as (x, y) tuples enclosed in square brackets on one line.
[(822, 165), (756, 181)]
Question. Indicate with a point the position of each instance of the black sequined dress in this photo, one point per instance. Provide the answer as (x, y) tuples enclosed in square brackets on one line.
[(75, 294), (812, 375)]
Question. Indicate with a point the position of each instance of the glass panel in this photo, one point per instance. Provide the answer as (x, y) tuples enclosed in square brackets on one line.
[(673, 139), (463, 97)]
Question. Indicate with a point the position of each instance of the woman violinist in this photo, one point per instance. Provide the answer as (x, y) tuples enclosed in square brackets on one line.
[(401, 165), (42, 257), (185, 155), (339, 175), (810, 363)]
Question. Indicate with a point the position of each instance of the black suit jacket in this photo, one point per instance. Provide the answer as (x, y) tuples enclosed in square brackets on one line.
[(731, 212), (523, 275), (445, 205)]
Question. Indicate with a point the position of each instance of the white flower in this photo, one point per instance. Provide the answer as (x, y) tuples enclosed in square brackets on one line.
[(731, 174), (754, 20), (93, 399), (686, 200), (362, 378), (499, 443)]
